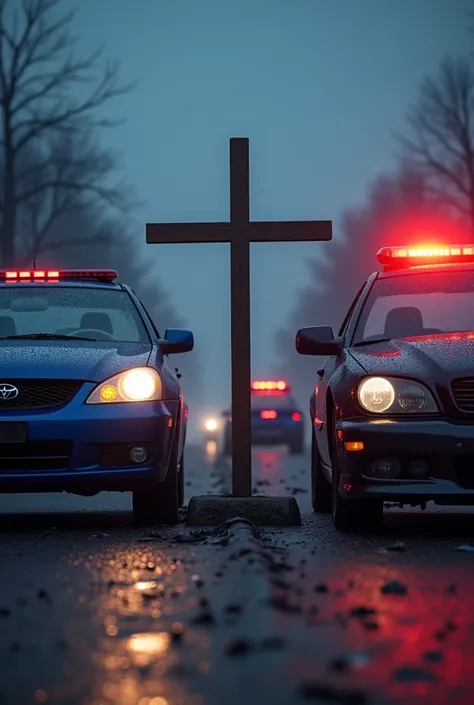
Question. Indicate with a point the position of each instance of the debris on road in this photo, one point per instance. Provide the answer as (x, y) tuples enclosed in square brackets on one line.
[(397, 546), (394, 587), (321, 587), (349, 662), (413, 674), (239, 647), (331, 694), (362, 612), (282, 604)]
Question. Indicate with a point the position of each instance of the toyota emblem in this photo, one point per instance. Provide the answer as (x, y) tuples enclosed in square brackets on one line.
[(8, 391)]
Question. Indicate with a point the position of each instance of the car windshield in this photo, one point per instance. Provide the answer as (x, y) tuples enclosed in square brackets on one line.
[(271, 401), (91, 313), (418, 304)]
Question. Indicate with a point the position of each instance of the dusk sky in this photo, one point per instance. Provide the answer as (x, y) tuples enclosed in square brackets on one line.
[(318, 87)]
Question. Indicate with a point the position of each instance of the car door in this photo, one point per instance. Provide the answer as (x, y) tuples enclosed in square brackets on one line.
[(321, 388)]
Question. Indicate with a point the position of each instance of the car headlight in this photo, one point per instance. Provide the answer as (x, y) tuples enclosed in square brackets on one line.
[(392, 395), (138, 384)]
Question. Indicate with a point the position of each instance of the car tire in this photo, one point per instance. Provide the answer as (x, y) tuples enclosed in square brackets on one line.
[(181, 482), (297, 448), (321, 490), (351, 515), (160, 504)]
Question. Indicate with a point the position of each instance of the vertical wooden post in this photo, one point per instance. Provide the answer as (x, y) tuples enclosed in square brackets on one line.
[(240, 232), (240, 319)]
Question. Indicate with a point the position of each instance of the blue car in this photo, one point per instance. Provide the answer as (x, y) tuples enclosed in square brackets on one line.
[(276, 418), (89, 400)]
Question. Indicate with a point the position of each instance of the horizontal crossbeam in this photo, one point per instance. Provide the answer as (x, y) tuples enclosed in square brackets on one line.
[(255, 231)]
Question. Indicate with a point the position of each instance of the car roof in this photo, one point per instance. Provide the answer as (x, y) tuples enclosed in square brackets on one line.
[(425, 269)]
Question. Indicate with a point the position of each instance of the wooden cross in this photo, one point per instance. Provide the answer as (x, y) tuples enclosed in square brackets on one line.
[(240, 231)]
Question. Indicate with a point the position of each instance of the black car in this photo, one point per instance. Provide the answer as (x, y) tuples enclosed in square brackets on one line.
[(392, 413), (276, 418)]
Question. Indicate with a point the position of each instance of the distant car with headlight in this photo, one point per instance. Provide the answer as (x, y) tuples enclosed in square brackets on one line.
[(392, 412), (275, 418), (89, 401), (211, 428)]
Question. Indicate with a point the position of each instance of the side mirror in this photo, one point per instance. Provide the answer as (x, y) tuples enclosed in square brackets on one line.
[(317, 340), (176, 340), (225, 414)]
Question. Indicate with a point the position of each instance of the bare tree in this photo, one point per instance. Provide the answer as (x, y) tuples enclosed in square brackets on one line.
[(75, 171), (441, 136), (48, 159)]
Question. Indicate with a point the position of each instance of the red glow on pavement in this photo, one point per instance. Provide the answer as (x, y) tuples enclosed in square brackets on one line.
[(409, 631), (267, 462)]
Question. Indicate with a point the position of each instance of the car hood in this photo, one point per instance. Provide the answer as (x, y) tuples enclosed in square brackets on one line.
[(69, 360), (433, 358)]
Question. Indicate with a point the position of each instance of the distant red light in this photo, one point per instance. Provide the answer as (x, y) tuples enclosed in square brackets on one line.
[(296, 416), (270, 385), (268, 414)]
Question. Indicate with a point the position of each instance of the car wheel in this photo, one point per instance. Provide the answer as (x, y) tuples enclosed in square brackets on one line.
[(181, 482), (160, 504), (321, 492), (351, 514), (297, 448)]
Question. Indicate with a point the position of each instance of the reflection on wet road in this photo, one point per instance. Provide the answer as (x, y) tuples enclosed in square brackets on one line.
[(96, 612)]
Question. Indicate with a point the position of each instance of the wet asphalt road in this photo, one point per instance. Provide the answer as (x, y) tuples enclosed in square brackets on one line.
[(94, 611)]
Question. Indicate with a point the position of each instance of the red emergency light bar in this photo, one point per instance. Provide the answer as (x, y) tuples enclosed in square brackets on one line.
[(54, 275), (412, 256), (270, 385)]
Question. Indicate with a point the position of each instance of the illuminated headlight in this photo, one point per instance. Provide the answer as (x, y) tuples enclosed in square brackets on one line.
[(211, 425), (392, 395), (139, 384)]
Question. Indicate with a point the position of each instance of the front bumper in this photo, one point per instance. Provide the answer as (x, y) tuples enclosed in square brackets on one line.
[(85, 449), (446, 447), (276, 433)]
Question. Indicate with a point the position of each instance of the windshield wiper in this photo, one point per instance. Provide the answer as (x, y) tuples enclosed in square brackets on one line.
[(370, 342), (44, 336)]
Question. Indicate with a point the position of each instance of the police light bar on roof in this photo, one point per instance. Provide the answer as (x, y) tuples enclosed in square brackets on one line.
[(410, 256), (270, 385), (54, 275)]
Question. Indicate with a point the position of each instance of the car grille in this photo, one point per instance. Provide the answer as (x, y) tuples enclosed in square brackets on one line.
[(35, 455), (39, 394), (463, 392)]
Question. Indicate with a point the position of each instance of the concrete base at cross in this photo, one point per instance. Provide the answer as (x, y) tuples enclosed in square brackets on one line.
[(211, 510)]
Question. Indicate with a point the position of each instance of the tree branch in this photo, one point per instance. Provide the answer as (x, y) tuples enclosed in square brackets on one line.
[(441, 126), (100, 238), (53, 100)]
